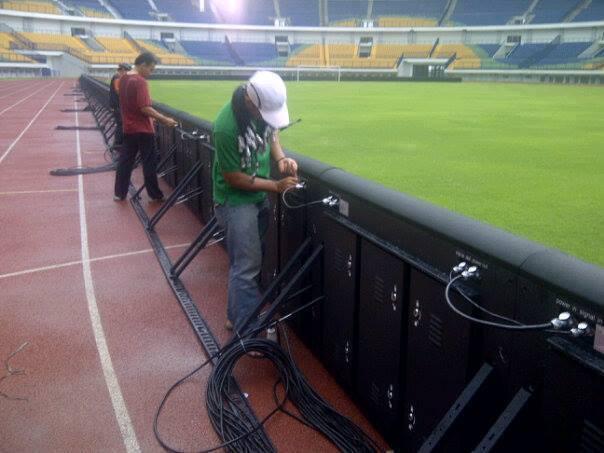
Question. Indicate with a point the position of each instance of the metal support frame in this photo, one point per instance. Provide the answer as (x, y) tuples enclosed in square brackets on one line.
[(200, 242), (174, 196), (516, 406), (453, 414), (253, 321)]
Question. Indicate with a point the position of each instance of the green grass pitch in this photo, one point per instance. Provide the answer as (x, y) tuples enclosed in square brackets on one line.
[(525, 158)]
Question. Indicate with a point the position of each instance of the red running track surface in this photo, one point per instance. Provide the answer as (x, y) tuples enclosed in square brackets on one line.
[(102, 337)]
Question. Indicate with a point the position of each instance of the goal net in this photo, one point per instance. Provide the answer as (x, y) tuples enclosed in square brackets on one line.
[(322, 72)]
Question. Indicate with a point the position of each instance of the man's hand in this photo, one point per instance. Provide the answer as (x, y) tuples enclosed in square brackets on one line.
[(286, 183), (288, 166), (167, 121)]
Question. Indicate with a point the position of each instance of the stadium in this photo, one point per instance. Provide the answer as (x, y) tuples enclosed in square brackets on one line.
[(433, 282)]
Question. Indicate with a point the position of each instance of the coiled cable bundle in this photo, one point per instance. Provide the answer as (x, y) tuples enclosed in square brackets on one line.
[(315, 411)]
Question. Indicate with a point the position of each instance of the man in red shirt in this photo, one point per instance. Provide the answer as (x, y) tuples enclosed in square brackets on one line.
[(139, 132)]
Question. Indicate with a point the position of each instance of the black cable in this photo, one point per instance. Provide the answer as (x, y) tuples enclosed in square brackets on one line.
[(303, 205), (542, 326), (237, 429)]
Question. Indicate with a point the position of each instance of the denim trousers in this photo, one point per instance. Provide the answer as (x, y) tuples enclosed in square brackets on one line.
[(245, 228)]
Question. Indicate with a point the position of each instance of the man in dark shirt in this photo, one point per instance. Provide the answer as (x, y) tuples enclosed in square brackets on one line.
[(114, 101), (139, 131)]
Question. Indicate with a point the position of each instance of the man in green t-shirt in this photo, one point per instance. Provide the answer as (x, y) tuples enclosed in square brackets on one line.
[(246, 138)]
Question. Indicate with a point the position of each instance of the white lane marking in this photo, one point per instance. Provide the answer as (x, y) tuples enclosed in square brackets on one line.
[(17, 91), (12, 145), (113, 386), (24, 192), (91, 260), (24, 99)]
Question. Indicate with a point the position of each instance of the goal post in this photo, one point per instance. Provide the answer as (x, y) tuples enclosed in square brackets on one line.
[(336, 71)]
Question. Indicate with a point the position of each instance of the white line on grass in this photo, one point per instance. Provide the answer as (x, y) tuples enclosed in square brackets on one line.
[(92, 260), (24, 99), (12, 145), (113, 386)]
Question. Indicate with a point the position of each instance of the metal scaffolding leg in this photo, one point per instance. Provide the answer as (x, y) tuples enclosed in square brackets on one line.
[(173, 198), (201, 241)]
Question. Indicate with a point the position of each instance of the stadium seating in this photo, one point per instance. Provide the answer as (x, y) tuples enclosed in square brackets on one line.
[(301, 13), (489, 12), (209, 52), (90, 8), (117, 45), (184, 11), (6, 54), (45, 41), (406, 22), (164, 55), (250, 12), (313, 55), (38, 6), (564, 54), (346, 12), (595, 11), (134, 9), (552, 11), (409, 8), (255, 53)]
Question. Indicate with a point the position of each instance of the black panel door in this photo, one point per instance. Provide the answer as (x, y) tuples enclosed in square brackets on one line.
[(340, 276), (381, 312), (437, 358)]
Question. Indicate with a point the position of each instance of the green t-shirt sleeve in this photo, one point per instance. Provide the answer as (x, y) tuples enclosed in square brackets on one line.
[(227, 152)]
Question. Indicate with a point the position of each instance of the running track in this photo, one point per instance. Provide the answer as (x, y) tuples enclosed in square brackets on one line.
[(80, 288)]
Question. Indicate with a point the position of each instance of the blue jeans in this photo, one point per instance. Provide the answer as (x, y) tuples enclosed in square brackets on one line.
[(245, 227)]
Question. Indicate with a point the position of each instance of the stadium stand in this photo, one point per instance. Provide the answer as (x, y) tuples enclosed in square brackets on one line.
[(563, 55), (46, 41), (134, 9), (90, 8), (594, 11), (164, 55), (406, 9), (346, 13), (209, 52), (249, 12), (38, 6), (184, 11), (300, 13), (7, 42), (488, 12), (313, 55), (255, 53), (117, 45), (552, 11)]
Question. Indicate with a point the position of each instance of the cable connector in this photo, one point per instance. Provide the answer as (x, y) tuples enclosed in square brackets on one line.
[(582, 330), (301, 185), (460, 267), (564, 321), (330, 201), (471, 272)]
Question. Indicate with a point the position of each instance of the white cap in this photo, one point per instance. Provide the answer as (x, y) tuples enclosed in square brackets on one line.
[(266, 90)]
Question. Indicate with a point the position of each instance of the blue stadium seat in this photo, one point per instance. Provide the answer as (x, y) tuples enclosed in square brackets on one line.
[(412, 8), (523, 52), (595, 11), (488, 12), (346, 9), (209, 52), (184, 11), (91, 4), (490, 49), (133, 9), (301, 13), (552, 11), (255, 53), (565, 53)]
